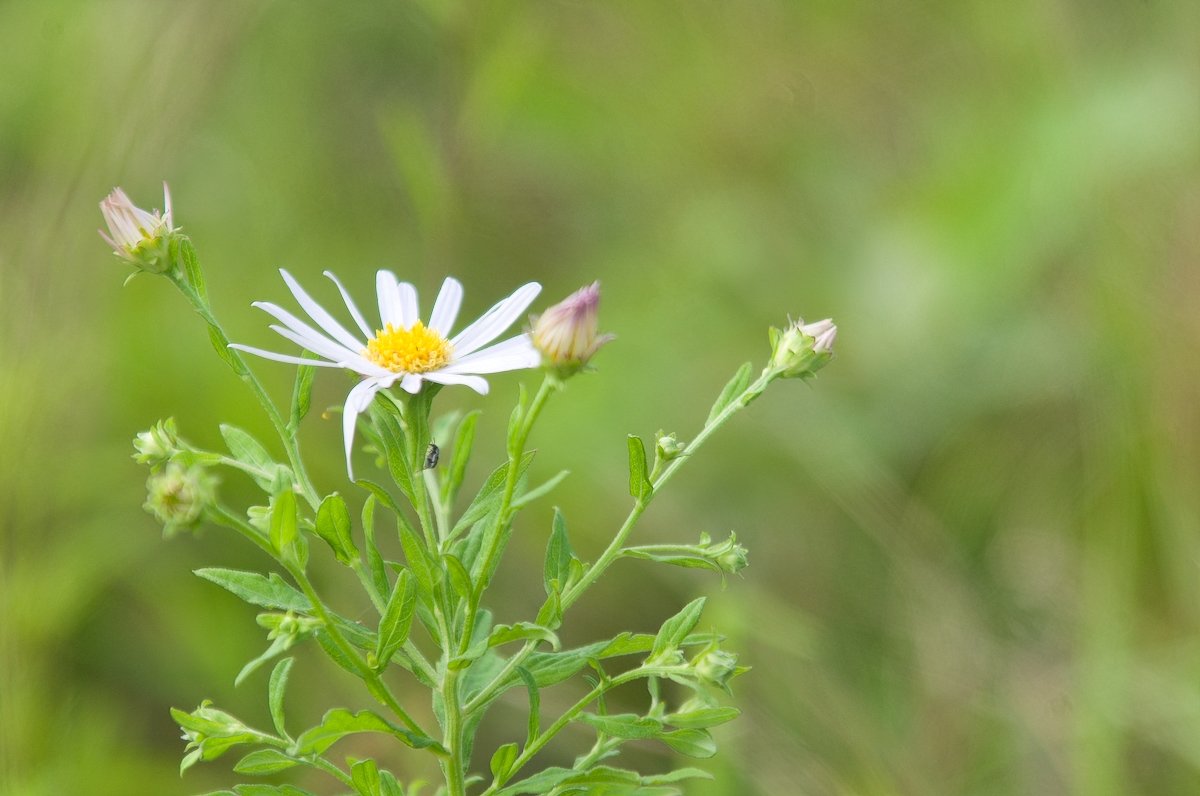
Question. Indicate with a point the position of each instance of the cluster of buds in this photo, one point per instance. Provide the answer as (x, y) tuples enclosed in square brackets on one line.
[(139, 237), (802, 349), (567, 334)]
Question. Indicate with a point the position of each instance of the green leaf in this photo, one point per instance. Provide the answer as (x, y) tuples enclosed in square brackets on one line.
[(460, 579), (542, 782), (418, 561), (639, 485), (515, 421), (522, 631), (556, 571), (220, 344), (394, 449), (335, 652), (247, 450), (339, 723), (624, 725), (283, 521), (374, 559), (535, 704), (502, 762), (276, 690), (702, 718), (380, 494), (270, 790), (675, 630), (690, 742), (267, 591), (191, 268), (397, 618), (333, 525), (264, 761), (735, 387), (302, 393), (464, 440), (365, 776), (538, 491), (489, 495), (278, 645)]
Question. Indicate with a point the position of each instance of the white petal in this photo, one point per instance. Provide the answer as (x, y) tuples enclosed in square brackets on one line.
[(314, 341), (295, 324), (335, 353), (512, 354), (410, 313), (320, 316), (442, 377), (354, 313), (259, 352), (389, 299), (357, 401), (167, 216), (493, 322), (411, 383), (445, 309)]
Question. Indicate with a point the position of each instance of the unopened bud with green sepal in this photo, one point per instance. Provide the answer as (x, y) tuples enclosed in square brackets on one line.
[(799, 351), (139, 237)]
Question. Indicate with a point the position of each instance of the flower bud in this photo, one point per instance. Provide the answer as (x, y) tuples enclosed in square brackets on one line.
[(716, 666), (802, 349), (730, 556), (178, 495), (141, 238), (667, 447), (566, 334), (159, 444)]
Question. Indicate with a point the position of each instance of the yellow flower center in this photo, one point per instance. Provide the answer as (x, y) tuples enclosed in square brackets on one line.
[(416, 349)]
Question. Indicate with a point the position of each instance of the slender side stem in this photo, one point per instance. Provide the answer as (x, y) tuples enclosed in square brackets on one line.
[(374, 683), (538, 743), (504, 512), (290, 444), (613, 551)]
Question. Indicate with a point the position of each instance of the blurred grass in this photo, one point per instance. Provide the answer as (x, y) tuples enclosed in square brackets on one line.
[(974, 542)]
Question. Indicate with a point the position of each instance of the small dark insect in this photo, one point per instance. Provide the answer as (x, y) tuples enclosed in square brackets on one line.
[(432, 454)]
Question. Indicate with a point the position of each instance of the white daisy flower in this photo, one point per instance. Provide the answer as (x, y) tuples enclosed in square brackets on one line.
[(404, 350)]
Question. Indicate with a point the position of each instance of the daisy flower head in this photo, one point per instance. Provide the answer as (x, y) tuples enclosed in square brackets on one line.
[(403, 350), (136, 235)]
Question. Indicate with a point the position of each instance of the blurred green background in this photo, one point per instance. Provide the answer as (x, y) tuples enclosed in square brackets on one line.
[(974, 542)]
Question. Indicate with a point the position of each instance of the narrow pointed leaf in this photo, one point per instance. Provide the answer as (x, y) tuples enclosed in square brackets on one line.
[(397, 618), (267, 591), (733, 388), (276, 690), (639, 485)]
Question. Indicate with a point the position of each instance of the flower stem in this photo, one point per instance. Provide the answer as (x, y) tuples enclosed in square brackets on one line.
[(237, 362), (503, 513)]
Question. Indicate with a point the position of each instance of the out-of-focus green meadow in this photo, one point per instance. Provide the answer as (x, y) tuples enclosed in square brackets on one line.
[(974, 540)]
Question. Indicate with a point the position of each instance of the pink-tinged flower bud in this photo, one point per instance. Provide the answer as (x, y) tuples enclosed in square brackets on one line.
[(802, 349), (566, 334), (137, 236)]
